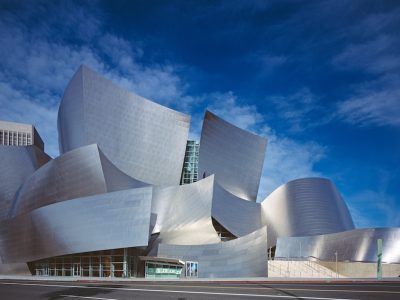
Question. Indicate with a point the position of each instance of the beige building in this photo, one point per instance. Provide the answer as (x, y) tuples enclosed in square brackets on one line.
[(19, 134)]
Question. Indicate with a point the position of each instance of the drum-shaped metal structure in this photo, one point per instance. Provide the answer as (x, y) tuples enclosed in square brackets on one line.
[(307, 206), (112, 199)]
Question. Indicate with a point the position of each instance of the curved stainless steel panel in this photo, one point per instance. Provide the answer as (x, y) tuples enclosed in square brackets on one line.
[(17, 163), (145, 140), (234, 155), (82, 172), (353, 245), (238, 216), (307, 206), (242, 257), (183, 213), (107, 221)]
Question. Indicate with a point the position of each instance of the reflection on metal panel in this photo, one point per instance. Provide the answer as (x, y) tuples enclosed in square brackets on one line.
[(234, 155), (243, 257), (78, 173), (145, 140), (307, 206), (107, 221), (238, 216), (17, 163), (183, 213), (352, 245)]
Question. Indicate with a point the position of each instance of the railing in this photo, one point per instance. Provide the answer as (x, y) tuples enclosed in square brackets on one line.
[(300, 267)]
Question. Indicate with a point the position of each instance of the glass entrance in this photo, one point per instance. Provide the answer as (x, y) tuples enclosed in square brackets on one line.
[(77, 269), (191, 269)]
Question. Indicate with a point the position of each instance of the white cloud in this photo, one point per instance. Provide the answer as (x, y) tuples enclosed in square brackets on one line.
[(19, 107), (300, 110), (377, 55), (37, 65), (382, 207), (36, 72), (286, 159), (374, 103)]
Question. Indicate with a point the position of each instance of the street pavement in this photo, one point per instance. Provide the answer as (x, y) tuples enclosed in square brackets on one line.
[(188, 290)]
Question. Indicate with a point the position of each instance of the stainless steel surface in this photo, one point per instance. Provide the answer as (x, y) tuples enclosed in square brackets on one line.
[(17, 164), (352, 245), (107, 221), (242, 257), (238, 216), (81, 172), (307, 206), (145, 140), (234, 155), (183, 213)]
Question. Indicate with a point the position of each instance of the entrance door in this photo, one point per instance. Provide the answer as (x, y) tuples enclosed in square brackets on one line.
[(191, 268), (77, 269)]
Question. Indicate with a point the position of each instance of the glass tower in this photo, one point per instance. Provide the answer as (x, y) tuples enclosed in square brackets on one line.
[(190, 163)]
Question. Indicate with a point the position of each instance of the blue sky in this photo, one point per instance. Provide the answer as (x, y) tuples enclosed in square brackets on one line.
[(319, 79)]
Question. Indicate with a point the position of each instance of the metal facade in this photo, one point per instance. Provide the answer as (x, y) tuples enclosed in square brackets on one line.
[(17, 164), (243, 257), (183, 213), (143, 139), (116, 186), (307, 206), (359, 245), (78, 173), (107, 221), (234, 155), (238, 216)]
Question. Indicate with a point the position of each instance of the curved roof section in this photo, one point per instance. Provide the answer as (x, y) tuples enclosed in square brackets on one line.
[(17, 164), (242, 257), (353, 245), (234, 155), (82, 172), (307, 206), (238, 216), (183, 213), (107, 221), (145, 140)]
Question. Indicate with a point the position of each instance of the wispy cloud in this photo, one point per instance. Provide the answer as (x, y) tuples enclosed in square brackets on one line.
[(371, 208), (378, 55), (300, 110), (17, 106), (36, 65), (286, 159), (375, 103)]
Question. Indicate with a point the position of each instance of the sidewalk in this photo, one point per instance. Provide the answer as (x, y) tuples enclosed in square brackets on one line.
[(214, 280)]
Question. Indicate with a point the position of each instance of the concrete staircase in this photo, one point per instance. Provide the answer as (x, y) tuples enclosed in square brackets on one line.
[(299, 269)]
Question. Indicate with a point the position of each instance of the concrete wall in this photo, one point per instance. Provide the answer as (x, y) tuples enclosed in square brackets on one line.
[(362, 270)]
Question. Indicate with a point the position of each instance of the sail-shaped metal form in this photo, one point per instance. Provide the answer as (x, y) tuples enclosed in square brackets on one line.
[(107, 221), (183, 213), (81, 172), (238, 216), (113, 197), (234, 155), (143, 139), (17, 164), (307, 206), (242, 257)]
